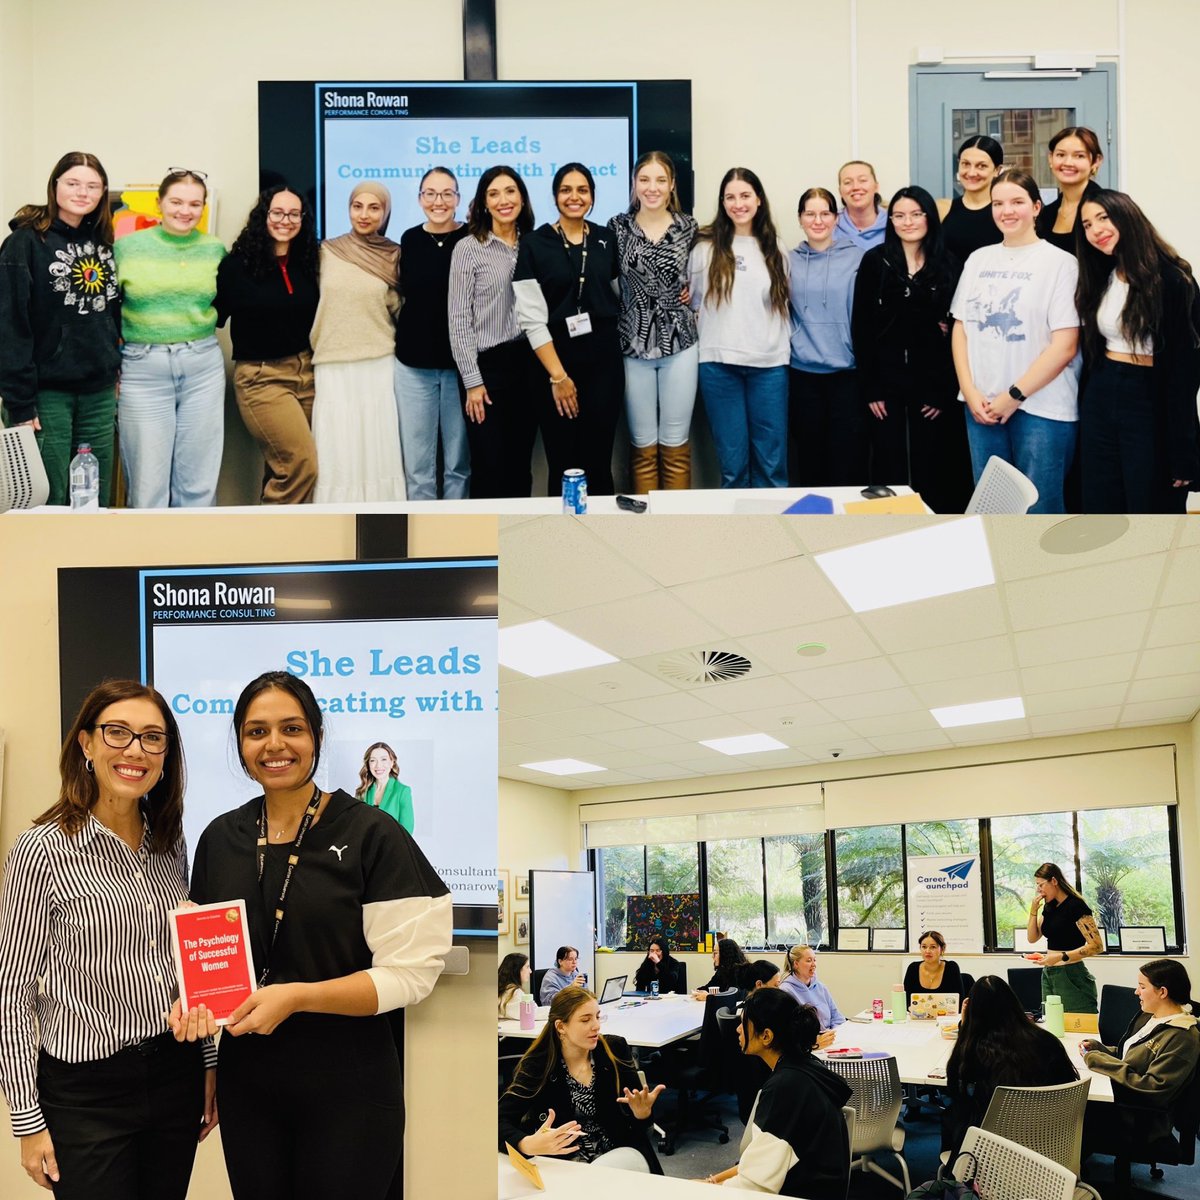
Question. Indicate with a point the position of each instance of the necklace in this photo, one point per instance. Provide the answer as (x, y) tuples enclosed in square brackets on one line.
[(440, 238)]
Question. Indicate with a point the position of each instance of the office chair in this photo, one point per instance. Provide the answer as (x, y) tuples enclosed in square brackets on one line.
[(23, 481), (1002, 489), (1006, 1171), (1027, 983), (1118, 1006)]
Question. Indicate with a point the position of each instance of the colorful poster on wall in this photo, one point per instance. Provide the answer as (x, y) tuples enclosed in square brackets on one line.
[(675, 917), (135, 208), (944, 894)]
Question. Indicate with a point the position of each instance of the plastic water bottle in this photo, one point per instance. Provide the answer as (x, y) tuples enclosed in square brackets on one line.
[(527, 1010), (85, 480), (1054, 1015), (899, 1003)]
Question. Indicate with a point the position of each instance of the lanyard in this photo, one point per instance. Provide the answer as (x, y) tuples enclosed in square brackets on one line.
[(293, 860), (582, 262)]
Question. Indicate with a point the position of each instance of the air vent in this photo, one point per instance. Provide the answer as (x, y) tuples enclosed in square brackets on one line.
[(704, 666)]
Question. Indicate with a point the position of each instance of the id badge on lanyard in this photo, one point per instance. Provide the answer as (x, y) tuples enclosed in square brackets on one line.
[(581, 322)]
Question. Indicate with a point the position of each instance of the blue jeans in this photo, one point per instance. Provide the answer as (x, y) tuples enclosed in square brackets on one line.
[(1039, 448), (660, 394), (427, 400), (748, 411), (171, 422)]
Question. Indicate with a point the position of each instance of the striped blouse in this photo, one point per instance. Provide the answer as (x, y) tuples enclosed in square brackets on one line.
[(481, 307), (87, 916)]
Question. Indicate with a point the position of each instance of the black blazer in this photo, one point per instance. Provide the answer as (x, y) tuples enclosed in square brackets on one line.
[(521, 1116)]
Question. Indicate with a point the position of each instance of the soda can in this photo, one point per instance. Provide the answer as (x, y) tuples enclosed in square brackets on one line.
[(877, 1008), (574, 492), (654, 989)]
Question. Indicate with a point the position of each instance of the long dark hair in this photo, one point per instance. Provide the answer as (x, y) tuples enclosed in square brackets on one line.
[(997, 1042), (78, 793), (39, 217), (1143, 259), (938, 270), (795, 1026), (539, 1062), (722, 265), (648, 972), (730, 959), (280, 681), (479, 220), (256, 247), (1052, 873)]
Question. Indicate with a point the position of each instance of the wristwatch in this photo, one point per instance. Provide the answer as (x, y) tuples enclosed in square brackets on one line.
[(1016, 393)]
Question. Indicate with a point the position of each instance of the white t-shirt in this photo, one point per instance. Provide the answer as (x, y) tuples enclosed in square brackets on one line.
[(744, 329), (1010, 301)]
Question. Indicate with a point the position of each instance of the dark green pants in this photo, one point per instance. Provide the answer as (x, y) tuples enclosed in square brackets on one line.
[(69, 419), (1074, 983)]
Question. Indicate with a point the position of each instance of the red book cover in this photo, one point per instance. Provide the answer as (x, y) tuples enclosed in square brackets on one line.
[(213, 962)]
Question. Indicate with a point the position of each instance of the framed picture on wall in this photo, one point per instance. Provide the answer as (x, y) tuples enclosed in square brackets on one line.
[(502, 901), (522, 883), (1143, 939), (521, 927)]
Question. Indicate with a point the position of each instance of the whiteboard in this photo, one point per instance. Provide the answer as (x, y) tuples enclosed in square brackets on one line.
[(562, 912)]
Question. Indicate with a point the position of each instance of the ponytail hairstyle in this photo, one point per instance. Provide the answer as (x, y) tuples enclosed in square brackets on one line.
[(794, 1026), (989, 145), (722, 265), (539, 1062), (756, 972), (1142, 257), (508, 978), (1172, 975), (862, 162)]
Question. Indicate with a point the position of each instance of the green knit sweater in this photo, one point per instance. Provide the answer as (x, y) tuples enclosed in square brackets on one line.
[(168, 284)]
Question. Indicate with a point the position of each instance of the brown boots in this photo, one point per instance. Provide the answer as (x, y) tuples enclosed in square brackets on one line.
[(644, 463), (662, 468)]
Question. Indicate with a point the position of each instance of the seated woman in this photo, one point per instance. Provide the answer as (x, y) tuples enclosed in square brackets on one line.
[(512, 980), (997, 1044), (803, 985), (795, 1140), (728, 958), (933, 973), (658, 965), (566, 973), (1153, 1062), (587, 1084), (758, 974)]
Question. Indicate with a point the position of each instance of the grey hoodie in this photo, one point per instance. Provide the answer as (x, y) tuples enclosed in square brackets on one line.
[(822, 292)]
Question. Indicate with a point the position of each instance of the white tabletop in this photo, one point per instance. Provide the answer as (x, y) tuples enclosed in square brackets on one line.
[(754, 500), (922, 1053), (585, 1181), (650, 1024)]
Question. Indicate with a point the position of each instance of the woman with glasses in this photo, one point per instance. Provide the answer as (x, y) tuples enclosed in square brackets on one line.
[(354, 342), (826, 413), (267, 287), (1015, 338), (500, 375), (347, 922), (576, 1093), (60, 323), (564, 973), (172, 404), (426, 382), (738, 281), (104, 1102), (901, 333)]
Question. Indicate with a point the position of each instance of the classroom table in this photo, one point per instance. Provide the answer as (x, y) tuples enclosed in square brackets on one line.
[(922, 1053), (585, 1181), (646, 1024)]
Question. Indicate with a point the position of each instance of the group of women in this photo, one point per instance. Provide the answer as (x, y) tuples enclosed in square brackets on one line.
[(379, 360), (107, 1101)]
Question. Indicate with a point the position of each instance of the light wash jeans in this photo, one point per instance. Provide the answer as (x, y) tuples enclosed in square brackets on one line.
[(660, 394), (171, 422), (1041, 449), (427, 399)]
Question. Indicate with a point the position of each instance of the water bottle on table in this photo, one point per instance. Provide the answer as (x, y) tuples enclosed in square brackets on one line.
[(85, 480)]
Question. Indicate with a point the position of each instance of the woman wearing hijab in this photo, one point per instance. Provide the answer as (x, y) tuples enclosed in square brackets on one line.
[(354, 340)]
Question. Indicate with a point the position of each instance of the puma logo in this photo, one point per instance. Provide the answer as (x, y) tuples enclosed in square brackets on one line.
[(338, 850)]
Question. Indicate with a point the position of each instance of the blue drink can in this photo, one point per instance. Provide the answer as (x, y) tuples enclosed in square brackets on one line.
[(654, 988), (575, 492)]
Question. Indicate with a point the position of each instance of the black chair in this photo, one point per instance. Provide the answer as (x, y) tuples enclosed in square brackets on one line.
[(1185, 1118), (1118, 1006), (1027, 983), (745, 1074), (681, 986), (968, 982), (535, 983)]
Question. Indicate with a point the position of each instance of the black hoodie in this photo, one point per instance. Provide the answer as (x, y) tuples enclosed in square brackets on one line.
[(60, 315)]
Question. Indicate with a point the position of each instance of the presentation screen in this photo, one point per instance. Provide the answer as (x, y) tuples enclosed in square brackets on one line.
[(395, 131), (398, 653)]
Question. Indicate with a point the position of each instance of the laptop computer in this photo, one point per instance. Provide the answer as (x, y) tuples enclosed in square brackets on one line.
[(931, 1005), (614, 989)]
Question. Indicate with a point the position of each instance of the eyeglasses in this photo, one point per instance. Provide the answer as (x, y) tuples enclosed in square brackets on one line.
[(817, 216), (78, 185), (152, 741), (445, 197), (281, 217), (905, 218), (201, 175)]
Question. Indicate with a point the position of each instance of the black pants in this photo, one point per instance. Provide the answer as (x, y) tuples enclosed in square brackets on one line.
[(1122, 447), (597, 369), (125, 1127), (825, 417), (311, 1111), (502, 446)]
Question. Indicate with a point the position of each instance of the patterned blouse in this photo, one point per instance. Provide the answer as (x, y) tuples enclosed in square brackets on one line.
[(654, 322), (595, 1140)]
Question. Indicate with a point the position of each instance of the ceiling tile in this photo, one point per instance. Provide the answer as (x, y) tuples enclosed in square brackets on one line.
[(663, 623), (587, 718), (1112, 668), (940, 621), (1085, 593), (1017, 552), (741, 695), (1170, 660), (907, 743), (873, 704), (1183, 578), (1075, 699), (611, 682), (846, 639), (705, 729), (1155, 712), (945, 692), (1175, 625), (1166, 687), (1075, 721), (920, 720), (1081, 639), (661, 710), (869, 675), (640, 737), (531, 697), (985, 656)]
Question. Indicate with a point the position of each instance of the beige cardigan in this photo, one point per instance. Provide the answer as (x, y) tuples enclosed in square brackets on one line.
[(356, 316)]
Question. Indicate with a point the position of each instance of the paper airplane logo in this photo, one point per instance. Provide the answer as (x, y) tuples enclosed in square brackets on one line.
[(959, 870)]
